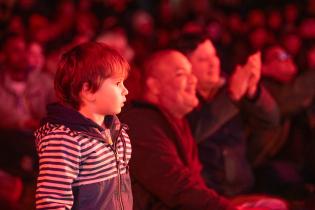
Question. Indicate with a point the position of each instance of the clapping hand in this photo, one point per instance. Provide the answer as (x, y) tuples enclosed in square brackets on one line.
[(245, 78), (254, 68)]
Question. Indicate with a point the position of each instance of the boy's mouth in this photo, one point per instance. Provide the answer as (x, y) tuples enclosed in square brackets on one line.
[(123, 102)]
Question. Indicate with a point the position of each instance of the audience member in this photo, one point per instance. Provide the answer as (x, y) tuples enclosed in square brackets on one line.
[(165, 167), (226, 105)]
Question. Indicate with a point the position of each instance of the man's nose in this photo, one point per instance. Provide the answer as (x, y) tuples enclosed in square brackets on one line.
[(193, 79)]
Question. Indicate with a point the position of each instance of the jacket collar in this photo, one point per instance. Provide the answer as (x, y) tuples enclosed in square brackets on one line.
[(71, 118)]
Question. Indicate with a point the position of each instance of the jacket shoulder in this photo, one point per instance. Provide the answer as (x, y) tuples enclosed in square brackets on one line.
[(142, 113), (55, 131)]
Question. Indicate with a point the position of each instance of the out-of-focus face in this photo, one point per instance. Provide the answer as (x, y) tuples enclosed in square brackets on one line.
[(291, 12), (142, 23), (16, 25), (177, 84), (119, 42), (200, 6), (165, 11), (279, 65), (256, 18), (35, 57), (311, 58), (26, 4), (258, 38), (235, 23), (292, 43), (85, 24), (274, 20), (15, 54), (205, 64), (117, 5)]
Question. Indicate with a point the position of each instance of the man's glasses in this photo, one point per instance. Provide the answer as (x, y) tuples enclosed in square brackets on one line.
[(283, 56)]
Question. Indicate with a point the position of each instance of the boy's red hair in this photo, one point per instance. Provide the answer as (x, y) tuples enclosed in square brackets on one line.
[(88, 63)]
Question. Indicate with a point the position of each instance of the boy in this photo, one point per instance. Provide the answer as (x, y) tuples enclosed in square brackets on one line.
[(83, 149)]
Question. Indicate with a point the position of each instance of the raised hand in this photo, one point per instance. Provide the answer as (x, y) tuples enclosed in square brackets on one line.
[(238, 84), (253, 66), (245, 78)]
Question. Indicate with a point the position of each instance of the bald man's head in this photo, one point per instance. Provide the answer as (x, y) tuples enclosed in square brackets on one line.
[(160, 63), (169, 81)]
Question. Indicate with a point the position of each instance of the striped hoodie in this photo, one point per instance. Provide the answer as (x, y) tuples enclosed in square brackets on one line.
[(79, 167)]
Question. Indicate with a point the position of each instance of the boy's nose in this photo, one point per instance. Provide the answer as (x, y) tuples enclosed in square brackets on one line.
[(125, 91)]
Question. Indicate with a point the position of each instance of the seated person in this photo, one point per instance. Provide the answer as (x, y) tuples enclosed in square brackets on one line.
[(227, 106), (282, 156), (24, 92), (165, 169)]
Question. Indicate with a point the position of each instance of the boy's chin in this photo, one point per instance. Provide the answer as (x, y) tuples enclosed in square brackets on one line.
[(113, 112), (117, 111)]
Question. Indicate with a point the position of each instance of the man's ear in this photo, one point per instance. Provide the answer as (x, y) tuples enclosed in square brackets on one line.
[(153, 85), (86, 94)]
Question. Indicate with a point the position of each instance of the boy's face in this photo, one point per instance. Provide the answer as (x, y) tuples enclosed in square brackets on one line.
[(110, 97)]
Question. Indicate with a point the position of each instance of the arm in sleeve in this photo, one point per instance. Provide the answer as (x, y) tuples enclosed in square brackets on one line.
[(156, 165), (204, 122), (261, 112), (59, 157), (297, 95)]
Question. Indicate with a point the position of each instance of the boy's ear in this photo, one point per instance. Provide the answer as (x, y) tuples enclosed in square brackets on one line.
[(153, 85), (86, 94)]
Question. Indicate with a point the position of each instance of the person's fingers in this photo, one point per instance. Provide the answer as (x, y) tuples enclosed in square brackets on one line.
[(252, 87), (253, 65), (238, 83)]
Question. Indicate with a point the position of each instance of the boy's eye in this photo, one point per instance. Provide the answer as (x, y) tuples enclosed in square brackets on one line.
[(119, 83)]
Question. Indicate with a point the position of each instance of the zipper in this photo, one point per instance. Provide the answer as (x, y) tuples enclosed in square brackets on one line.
[(113, 146), (118, 170), (124, 145)]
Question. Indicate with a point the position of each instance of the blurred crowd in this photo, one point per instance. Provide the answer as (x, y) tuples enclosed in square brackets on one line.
[(35, 33)]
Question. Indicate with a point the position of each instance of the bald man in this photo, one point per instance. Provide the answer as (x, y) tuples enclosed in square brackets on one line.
[(165, 169), (165, 166)]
